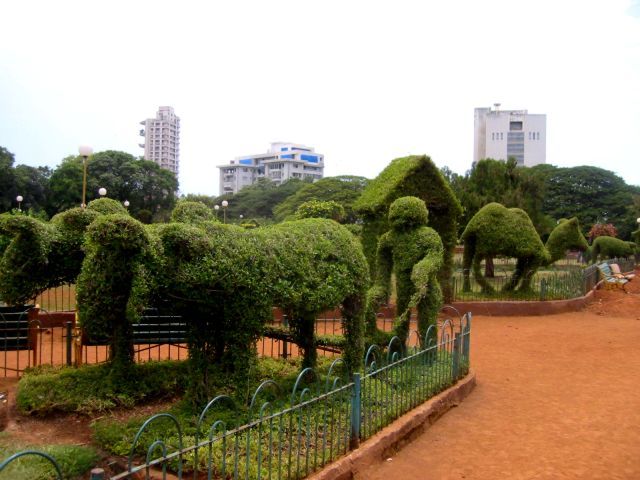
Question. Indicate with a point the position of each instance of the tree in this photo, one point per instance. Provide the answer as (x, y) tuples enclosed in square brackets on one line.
[(592, 194), (149, 189), (7, 180), (32, 183), (344, 190), (258, 200)]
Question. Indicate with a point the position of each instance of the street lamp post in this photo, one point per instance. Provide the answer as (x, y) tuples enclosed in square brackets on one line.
[(225, 204), (19, 200), (85, 151), (216, 208), (126, 204), (102, 192)]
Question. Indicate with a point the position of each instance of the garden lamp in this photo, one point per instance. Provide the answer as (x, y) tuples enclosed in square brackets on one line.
[(85, 152), (19, 200), (225, 204)]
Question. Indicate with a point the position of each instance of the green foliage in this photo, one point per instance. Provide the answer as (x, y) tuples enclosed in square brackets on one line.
[(411, 176), (605, 247), (317, 209), (258, 200), (47, 390), (192, 212), (343, 190), (73, 461), (567, 235), (143, 183), (592, 194), (106, 206), (414, 253), (224, 281), (114, 247), (496, 230)]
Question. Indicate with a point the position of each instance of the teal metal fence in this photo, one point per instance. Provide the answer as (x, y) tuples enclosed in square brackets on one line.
[(289, 436)]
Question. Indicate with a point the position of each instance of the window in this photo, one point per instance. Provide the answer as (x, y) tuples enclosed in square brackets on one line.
[(515, 126), (492, 136), (538, 136)]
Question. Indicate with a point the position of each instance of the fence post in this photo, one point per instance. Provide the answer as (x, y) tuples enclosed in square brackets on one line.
[(69, 342), (456, 357), (285, 323), (543, 289), (97, 474), (355, 411)]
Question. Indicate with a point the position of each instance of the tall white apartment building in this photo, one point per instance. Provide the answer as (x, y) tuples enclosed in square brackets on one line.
[(282, 162), (501, 134), (162, 139)]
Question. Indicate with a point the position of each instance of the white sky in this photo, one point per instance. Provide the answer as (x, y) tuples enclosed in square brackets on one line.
[(363, 82)]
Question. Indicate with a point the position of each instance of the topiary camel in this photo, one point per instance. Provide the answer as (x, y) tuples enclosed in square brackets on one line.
[(497, 230)]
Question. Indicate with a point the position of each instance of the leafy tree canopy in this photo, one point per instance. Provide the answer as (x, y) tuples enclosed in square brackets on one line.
[(344, 190)]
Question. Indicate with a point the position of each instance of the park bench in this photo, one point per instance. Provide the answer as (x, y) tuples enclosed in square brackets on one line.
[(615, 270), (17, 331), (610, 280), (155, 327)]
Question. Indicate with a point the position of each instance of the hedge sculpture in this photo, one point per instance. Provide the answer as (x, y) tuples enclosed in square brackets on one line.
[(497, 230), (414, 253), (224, 280), (318, 209), (42, 255), (419, 177), (192, 212), (610, 247)]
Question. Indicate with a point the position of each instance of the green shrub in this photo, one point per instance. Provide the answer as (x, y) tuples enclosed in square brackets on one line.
[(317, 209), (107, 206), (192, 212), (567, 235), (45, 390), (73, 461)]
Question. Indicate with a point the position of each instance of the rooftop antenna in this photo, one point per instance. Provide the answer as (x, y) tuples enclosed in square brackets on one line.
[(497, 106)]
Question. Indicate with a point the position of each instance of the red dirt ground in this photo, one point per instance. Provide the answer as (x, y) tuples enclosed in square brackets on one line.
[(557, 398)]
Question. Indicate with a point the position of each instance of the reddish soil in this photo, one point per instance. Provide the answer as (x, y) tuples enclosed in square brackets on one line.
[(557, 398)]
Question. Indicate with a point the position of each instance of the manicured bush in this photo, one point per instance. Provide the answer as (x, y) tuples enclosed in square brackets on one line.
[(317, 209), (192, 212), (107, 206), (73, 460), (414, 176), (414, 253)]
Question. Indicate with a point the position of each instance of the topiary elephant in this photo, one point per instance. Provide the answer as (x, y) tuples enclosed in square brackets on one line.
[(497, 230), (224, 280), (604, 247)]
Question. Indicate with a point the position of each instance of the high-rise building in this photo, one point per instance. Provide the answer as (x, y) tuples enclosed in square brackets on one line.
[(502, 134), (282, 162), (162, 139)]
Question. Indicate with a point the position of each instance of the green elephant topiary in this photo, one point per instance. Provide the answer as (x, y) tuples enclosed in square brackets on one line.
[(413, 253), (605, 247), (224, 281)]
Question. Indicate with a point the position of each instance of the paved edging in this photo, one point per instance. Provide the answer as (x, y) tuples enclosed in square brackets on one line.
[(399, 433), (522, 308)]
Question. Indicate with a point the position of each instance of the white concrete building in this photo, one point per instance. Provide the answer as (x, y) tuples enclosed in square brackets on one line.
[(282, 162), (162, 139), (501, 134)]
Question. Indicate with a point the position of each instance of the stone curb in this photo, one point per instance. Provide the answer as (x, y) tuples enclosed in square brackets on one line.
[(393, 437)]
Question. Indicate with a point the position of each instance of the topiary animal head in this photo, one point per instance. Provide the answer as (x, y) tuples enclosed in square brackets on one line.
[(408, 212), (192, 212), (106, 206)]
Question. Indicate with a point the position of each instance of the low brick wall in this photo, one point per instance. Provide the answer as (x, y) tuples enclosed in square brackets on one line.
[(399, 433)]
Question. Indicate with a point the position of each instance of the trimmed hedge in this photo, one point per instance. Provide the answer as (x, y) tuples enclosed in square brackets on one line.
[(317, 209), (414, 176), (192, 212)]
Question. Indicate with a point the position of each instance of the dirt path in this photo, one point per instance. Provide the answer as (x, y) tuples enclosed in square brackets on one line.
[(558, 397)]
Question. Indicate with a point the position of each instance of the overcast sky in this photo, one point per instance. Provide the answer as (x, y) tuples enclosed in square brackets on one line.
[(363, 82)]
